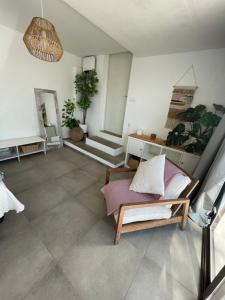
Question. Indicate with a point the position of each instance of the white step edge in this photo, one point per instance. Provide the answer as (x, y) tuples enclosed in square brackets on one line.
[(104, 148), (101, 160), (111, 138)]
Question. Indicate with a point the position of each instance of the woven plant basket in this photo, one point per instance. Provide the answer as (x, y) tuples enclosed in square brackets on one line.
[(42, 40), (76, 134), (29, 148)]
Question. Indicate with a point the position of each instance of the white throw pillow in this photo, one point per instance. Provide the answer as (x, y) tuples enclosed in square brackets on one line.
[(176, 186), (149, 177), (145, 213)]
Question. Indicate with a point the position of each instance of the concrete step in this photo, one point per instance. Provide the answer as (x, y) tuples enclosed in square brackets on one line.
[(104, 145), (105, 158), (112, 133), (110, 136)]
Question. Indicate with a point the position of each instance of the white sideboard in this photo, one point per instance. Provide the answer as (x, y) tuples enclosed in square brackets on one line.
[(12, 147), (145, 149)]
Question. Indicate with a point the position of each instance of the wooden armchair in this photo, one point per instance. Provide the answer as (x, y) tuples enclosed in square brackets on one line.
[(179, 208)]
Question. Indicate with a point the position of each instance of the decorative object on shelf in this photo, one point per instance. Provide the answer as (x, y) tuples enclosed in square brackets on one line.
[(42, 40), (139, 131), (182, 97), (88, 63), (68, 120), (153, 136), (196, 128), (86, 87)]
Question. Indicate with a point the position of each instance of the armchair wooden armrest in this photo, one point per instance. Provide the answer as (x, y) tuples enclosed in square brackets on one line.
[(176, 217), (110, 171)]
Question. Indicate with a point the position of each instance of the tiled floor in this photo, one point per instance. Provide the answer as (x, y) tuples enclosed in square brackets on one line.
[(61, 246)]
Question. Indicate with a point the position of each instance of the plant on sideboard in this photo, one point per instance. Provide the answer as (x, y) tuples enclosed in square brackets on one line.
[(196, 127), (68, 120), (86, 86)]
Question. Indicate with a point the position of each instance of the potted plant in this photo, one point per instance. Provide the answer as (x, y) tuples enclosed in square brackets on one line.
[(196, 128), (68, 120), (86, 86)]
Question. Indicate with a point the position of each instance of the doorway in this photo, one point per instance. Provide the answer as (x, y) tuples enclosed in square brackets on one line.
[(117, 88)]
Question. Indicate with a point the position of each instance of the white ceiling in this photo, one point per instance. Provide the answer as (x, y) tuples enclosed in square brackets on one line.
[(78, 35), (152, 27)]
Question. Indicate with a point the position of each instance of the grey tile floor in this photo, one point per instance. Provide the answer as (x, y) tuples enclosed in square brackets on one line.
[(60, 247)]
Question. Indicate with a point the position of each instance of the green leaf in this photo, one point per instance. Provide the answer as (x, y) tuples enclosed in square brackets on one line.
[(189, 115), (219, 108), (68, 110), (86, 87), (180, 128), (210, 119)]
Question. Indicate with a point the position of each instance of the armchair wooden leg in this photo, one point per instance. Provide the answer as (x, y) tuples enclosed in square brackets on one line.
[(119, 225), (117, 238), (185, 215)]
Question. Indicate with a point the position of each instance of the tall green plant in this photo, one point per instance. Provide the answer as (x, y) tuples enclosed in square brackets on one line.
[(196, 128), (86, 86), (68, 119)]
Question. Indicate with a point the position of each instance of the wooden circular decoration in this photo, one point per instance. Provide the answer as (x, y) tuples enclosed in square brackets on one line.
[(42, 40)]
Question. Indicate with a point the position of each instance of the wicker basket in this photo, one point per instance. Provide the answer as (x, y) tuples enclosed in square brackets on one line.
[(76, 134), (29, 148)]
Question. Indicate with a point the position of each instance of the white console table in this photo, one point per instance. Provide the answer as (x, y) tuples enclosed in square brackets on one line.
[(145, 148), (13, 145)]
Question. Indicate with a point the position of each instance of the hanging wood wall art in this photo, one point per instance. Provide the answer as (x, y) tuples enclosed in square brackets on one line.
[(182, 97)]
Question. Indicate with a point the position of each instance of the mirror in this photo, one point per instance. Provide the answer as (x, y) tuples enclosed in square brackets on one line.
[(49, 119)]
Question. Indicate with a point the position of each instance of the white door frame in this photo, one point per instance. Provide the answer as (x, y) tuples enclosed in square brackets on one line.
[(104, 98)]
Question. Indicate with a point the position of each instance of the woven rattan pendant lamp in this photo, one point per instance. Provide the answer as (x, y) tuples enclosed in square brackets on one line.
[(42, 40)]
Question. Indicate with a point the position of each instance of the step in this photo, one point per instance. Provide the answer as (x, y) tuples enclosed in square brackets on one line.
[(112, 133), (110, 136), (104, 158), (104, 145)]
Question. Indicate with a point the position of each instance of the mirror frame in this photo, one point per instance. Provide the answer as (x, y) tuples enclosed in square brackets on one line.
[(38, 92)]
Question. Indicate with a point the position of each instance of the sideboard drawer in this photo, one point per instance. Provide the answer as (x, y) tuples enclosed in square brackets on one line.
[(135, 147)]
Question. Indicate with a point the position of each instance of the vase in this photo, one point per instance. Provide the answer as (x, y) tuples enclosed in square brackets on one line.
[(84, 127), (76, 134)]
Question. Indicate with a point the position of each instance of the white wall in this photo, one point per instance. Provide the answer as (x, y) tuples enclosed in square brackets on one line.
[(20, 73), (152, 80)]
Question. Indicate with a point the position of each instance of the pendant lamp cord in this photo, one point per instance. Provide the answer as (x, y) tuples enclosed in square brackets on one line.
[(42, 10)]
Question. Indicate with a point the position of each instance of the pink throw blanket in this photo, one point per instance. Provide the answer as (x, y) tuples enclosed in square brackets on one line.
[(117, 192)]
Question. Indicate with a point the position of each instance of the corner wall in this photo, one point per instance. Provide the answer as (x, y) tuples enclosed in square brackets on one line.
[(20, 73), (151, 83)]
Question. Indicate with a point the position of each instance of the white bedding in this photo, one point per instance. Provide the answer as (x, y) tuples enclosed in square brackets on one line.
[(8, 201)]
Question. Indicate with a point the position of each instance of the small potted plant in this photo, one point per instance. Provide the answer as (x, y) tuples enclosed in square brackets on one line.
[(86, 86), (68, 120)]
